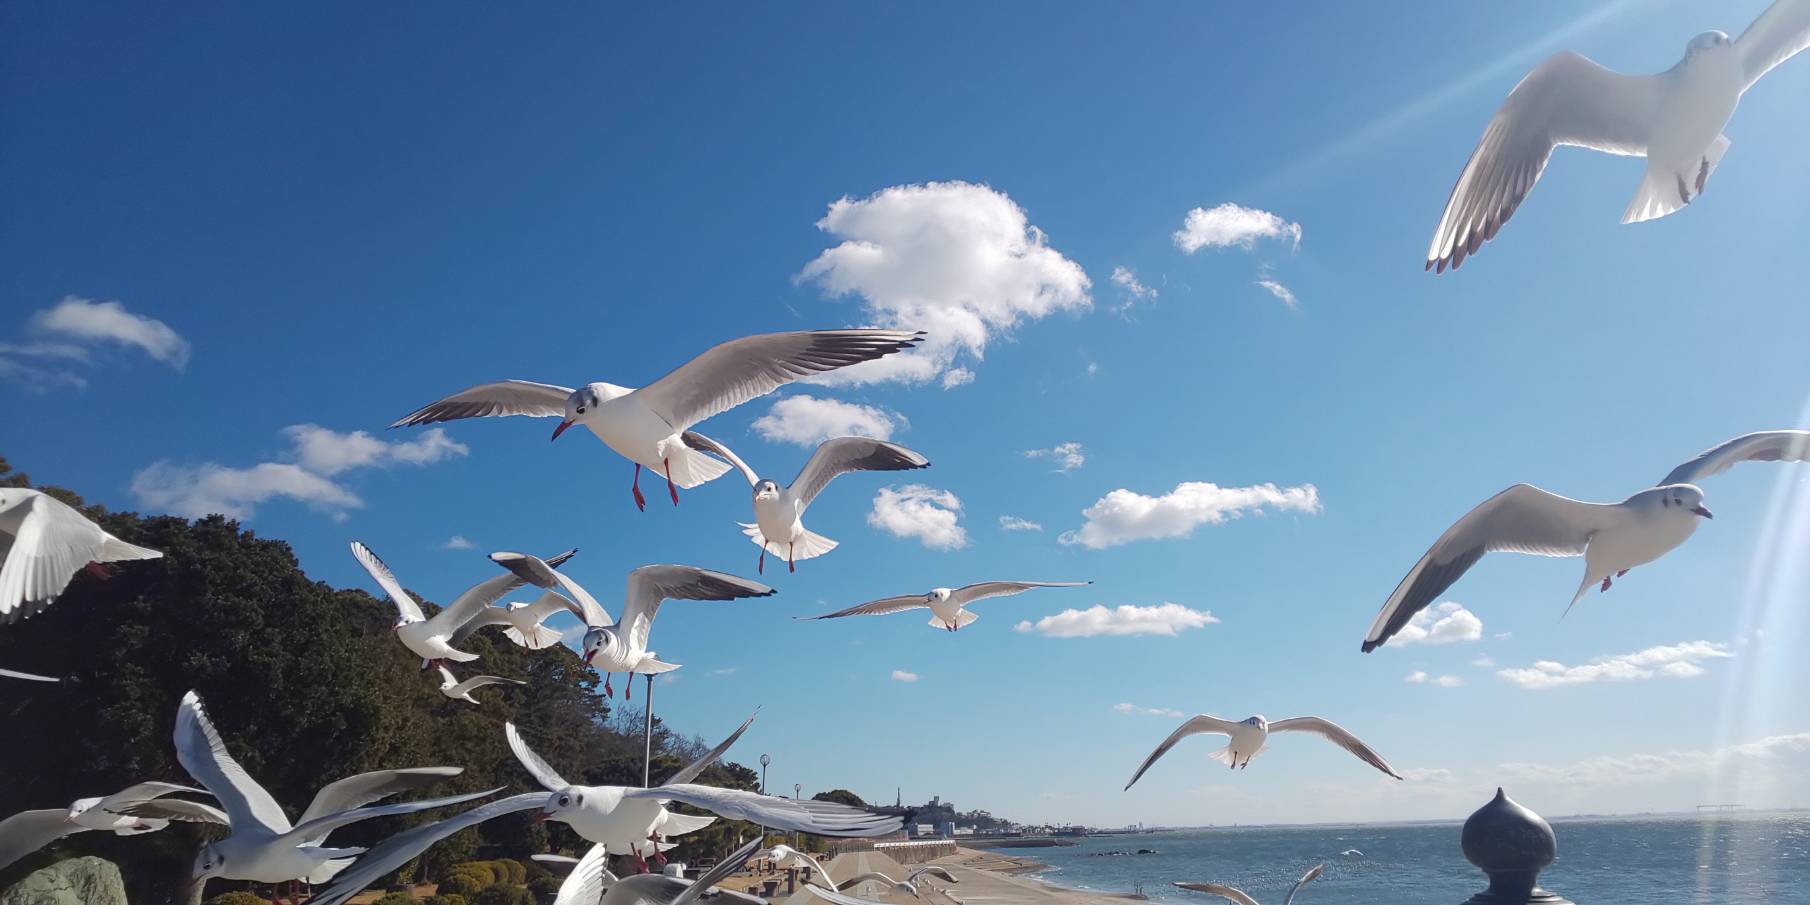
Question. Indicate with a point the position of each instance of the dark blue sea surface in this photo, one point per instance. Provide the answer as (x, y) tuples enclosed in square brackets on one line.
[(1756, 858)]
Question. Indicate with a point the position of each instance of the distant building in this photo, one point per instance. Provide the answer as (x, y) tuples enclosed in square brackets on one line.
[(923, 830)]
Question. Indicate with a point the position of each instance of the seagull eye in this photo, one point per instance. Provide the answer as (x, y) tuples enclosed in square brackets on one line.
[(581, 410)]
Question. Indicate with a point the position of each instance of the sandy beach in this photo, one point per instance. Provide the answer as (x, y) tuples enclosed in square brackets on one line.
[(990, 877)]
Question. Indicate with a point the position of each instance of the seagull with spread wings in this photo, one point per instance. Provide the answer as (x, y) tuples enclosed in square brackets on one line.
[(1245, 739), (1674, 119), (28, 831), (1612, 537), (1239, 896), (778, 526), (44, 542), (907, 886), (947, 606), (612, 646), (433, 639), (461, 691), (644, 425)]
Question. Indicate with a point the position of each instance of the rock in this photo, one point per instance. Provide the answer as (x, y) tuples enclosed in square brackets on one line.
[(77, 881)]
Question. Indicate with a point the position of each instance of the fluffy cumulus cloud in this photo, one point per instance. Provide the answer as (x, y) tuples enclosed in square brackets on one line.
[(808, 421), (1099, 620), (915, 510), (900, 675), (955, 377), (1066, 456), (1123, 516), (63, 338), (1447, 623), (319, 455), (1014, 523), (1420, 677), (1135, 710), (457, 542), (957, 260), (1676, 661), (1230, 225)]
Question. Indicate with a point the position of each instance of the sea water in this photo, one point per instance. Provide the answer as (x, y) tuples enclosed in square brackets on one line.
[(1762, 859)]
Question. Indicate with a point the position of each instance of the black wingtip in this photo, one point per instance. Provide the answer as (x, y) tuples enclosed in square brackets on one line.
[(1369, 646)]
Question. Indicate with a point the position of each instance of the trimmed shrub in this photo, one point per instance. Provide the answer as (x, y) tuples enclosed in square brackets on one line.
[(501, 894), (460, 883), (395, 898), (237, 897), (510, 871), (443, 899)]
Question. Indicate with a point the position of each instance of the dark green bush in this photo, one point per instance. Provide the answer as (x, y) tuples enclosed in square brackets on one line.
[(547, 888), (460, 883), (502, 894), (395, 898), (510, 871), (237, 897), (443, 899)]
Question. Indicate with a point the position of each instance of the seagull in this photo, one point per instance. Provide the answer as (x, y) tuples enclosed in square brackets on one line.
[(1246, 739), (1673, 118), (620, 816), (907, 886), (432, 639), (386, 856), (591, 883), (1612, 537), (461, 691), (949, 606), (262, 846), (611, 646), (785, 856), (779, 511), (644, 425), (28, 831), (29, 677), (45, 541), (1238, 895)]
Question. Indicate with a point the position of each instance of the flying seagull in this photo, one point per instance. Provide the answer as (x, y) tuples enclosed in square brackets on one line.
[(432, 639), (461, 691), (907, 886), (612, 646), (786, 857), (1245, 740), (386, 856), (658, 889), (28, 831), (262, 846), (644, 425), (1673, 118), (1238, 895), (29, 677), (1612, 537), (778, 526), (948, 606), (45, 542)]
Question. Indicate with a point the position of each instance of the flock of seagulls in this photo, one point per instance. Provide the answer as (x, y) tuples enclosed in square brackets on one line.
[(1674, 119)]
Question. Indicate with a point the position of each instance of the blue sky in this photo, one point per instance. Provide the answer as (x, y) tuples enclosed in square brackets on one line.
[(342, 213)]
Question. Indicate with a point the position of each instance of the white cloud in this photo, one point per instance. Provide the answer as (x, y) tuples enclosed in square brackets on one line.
[(1146, 711), (1123, 516), (85, 320), (932, 516), (1447, 623), (1416, 677), (724, 671), (1162, 619), (320, 453), (1677, 661), (458, 542), (900, 675), (1014, 523), (1067, 456), (1484, 661), (1229, 224), (1278, 290), (955, 259), (1419, 677), (1787, 751), (955, 377), (1448, 681), (1135, 291), (808, 421)]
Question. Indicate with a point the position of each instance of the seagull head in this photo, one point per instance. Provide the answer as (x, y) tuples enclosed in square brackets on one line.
[(561, 803), (937, 594), (1709, 40), (582, 401), (1682, 498), (209, 863), (596, 640), (766, 490)]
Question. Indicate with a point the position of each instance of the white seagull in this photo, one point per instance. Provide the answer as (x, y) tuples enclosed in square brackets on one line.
[(386, 856), (1673, 118), (432, 639), (44, 542), (949, 607), (779, 511), (907, 886), (643, 425), (29, 677), (620, 816), (1612, 537), (1238, 895), (592, 884), (461, 691), (263, 847), (1245, 740), (28, 831), (612, 646), (786, 857)]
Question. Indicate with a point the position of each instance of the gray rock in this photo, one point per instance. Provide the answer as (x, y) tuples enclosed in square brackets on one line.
[(77, 881)]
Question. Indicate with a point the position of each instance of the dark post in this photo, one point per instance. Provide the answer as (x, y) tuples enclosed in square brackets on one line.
[(1511, 844), (647, 735)]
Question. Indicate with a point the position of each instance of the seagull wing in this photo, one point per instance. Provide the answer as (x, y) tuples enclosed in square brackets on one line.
[(1338, 735), (177, 809), (1312, 874), (50, 544), (1229, 892), (1565, 100), (716, 874), (882, 607), (934, 871), (475, 682), (1764, 446), (399, 849), (869, 877), (1776, 36), (142, 792), (537, 572), (1198, 725), (985, 589), (824, 818), (312, 832), (584, 885), (548, 777), (736, 371), (364, 788), (406, 606), (846, 454), (702, 443), (30, 677), (1521, 519), (691, 770), (28, 831), (471, 604), (649, 585), (838, 898), (202, 753), (490, 400)]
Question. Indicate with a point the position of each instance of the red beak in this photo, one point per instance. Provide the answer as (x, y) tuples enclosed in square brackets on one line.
[(540, 817), (1702, 511), (561, 428)]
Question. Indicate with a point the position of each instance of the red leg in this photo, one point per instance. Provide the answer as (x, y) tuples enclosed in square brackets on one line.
[(1621, 573), (762, 568), (98, 571), (608, 691), (790, 565), (669, 485), (640, 501), (628, 688), (1606, 583)]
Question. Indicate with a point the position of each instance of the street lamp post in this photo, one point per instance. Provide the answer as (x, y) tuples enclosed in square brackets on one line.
[(764, 761)]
